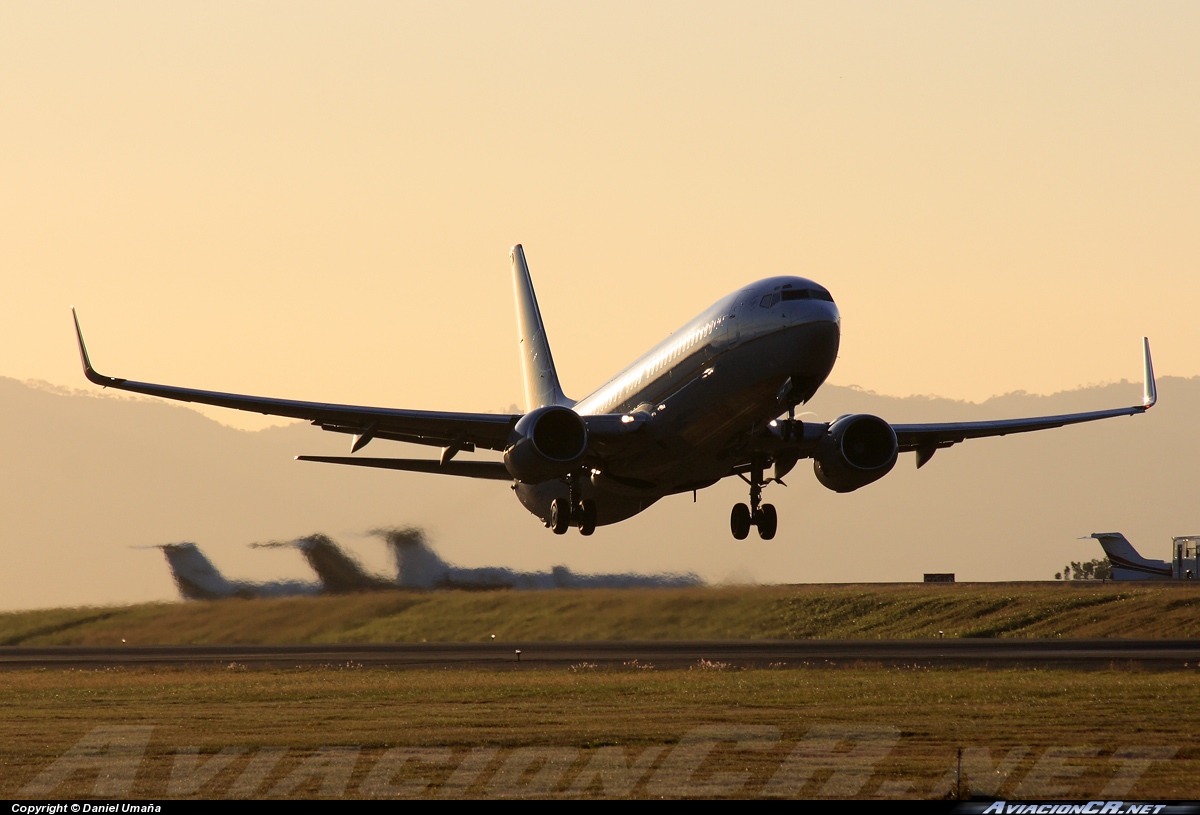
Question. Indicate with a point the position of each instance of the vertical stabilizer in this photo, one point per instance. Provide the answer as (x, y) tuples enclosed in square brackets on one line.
[(338, 571), (1127, 564), (537, 365), (417, 566), (195, 575)]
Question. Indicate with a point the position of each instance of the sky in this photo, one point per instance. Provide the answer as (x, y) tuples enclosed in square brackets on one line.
[(92, 483), (316, 200)]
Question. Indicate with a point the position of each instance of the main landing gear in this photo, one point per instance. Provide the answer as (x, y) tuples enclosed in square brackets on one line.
[(757, 514), (573, 511), (563, 516)]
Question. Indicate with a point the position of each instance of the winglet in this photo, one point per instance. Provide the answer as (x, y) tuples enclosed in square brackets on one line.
[(1149, 389), (88, 370)]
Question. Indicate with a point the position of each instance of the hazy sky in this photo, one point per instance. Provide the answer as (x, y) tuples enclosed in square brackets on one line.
[(316, 200)]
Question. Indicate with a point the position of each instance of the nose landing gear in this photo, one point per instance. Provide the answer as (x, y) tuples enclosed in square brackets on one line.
[(757, 514)]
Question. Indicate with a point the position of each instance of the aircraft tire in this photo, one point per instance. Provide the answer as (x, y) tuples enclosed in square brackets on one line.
[(560, 516), (587, 516), (767, 522), (739, 521)]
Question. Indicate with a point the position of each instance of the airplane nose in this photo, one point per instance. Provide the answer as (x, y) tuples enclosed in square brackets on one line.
[(826, 335), (808, 348), (815, 313), (831, 313)]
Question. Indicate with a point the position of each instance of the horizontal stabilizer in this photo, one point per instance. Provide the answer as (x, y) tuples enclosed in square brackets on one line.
[(494, 470)]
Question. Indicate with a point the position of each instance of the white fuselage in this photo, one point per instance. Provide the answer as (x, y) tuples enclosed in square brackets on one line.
[(701, 387)]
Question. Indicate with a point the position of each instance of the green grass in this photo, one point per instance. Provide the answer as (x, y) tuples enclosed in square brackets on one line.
[(1026, 714), (1068, 728), (1068, 609)]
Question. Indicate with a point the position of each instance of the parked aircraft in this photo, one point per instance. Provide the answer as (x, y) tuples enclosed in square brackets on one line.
[(198, 579), (339, 573), (705, 404), (419, 567), (1128, 564)]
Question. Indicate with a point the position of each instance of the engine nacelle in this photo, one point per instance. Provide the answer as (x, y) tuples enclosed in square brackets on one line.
[(547, 443), (855, 451)]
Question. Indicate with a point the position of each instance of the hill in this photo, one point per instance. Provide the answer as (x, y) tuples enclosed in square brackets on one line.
[(1074, 609), (87, 476)]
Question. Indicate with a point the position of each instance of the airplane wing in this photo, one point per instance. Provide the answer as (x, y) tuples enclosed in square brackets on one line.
[(460, 431), (926, 439)]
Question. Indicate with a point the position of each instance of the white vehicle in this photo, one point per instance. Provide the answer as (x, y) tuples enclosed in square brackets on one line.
[(715, 399), (1127, 564)]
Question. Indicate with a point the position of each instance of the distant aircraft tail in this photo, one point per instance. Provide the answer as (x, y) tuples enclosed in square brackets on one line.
[(338, 571), (195, 575), (1127, 564), (541, 377), (417, 566)]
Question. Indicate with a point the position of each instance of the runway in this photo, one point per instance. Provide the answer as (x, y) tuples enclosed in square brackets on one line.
[(1094, 654)]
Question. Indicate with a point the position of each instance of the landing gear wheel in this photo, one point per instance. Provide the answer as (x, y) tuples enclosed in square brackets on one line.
[(587, 516), (560, 515), (767, 521), (739, 521)]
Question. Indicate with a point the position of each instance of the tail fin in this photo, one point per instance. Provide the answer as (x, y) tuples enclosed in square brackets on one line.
[(537, 365), (338, 571), (1127, 564), (195, 575), (417, 566)]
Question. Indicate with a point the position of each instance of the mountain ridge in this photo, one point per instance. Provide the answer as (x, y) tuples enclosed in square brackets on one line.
[(86, 477)]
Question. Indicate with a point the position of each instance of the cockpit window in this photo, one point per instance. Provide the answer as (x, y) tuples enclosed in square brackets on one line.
[(795, 294)]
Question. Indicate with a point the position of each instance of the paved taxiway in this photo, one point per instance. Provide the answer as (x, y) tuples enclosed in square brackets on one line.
[(993, 653)]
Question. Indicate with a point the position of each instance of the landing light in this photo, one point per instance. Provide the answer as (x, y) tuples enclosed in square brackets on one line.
[(626, 419)]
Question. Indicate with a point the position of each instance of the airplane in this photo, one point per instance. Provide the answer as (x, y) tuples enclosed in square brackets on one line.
[(419, 567), (338, 572), (707, 403), (198, 579), (1129, 564)]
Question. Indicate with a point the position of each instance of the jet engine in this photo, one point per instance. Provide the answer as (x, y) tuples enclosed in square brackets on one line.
[(547, 443), (856, 450)]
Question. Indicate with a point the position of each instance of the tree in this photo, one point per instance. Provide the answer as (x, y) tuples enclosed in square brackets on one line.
[(1099, 569)]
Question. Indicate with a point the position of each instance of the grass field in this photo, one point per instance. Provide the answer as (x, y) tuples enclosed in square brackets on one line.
[(341, 731), (1067, 609), (710, 731)]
